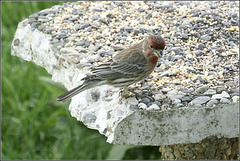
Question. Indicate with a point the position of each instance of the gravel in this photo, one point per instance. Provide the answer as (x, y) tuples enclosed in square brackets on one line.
[(200, 64)]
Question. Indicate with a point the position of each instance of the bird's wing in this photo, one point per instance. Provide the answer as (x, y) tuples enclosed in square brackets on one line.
[(126, 63)]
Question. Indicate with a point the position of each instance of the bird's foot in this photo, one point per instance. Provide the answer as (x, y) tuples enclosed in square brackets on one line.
[(126, 93)]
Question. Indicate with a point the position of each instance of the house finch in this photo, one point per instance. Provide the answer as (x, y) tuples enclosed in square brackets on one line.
[(125, 68)]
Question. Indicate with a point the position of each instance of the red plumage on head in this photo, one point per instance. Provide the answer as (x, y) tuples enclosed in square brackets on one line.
[(157, 41)]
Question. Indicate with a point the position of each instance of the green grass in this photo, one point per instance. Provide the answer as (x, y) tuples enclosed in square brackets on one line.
[(33, 124)]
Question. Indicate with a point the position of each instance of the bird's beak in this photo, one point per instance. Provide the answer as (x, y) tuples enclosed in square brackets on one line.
[(158, 53)]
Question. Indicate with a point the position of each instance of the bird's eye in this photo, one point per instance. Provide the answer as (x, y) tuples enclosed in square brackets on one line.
[(151, 46)]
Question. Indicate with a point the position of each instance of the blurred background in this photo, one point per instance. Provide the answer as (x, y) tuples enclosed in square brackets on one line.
[(33, 124)]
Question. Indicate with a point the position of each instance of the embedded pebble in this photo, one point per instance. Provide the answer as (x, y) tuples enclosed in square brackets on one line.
[(89, 118), (142, 106), (201, 89), (210, 92), (132, 101), (222, 95), (212, 102), (201, 100), (235, 99), (186, 99), (224, 100), (174, 94)]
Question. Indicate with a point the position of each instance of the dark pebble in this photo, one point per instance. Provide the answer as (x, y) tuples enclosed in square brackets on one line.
[(170, 9), (215, 47), (95, 26), (128, 29), (109, 16), (49, 30), (228, 66), (220, 89), (199, 20), (36, 24), (35, 15), (226, 24), (233, 14), (155, 102), (74, 18), (191, 70), (90, 61), (105, 53), (89, 28), (234, 94), (67, 21), (235, 22), (77, 27), (231, 44), (142, 30), (201, 47), (118, 3), (213, 7), (205, 37), (184, 36), (215, 62), (97, 10), (78, 13), (146, 100), (201, 79), (85, 25), (186, 99), (45, 12), (103, 21), (87, 43), (74, 10), (176, 51), (125, 16), (199, 53), (158, 6), (140, 10), (124, 34), (184, 27), (95, 17), (149, 16), (62, 35)]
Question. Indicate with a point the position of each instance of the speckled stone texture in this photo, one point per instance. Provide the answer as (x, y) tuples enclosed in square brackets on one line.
[(192, 94), (212, 148)]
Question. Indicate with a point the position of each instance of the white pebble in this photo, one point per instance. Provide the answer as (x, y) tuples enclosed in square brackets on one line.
[(142, 106)]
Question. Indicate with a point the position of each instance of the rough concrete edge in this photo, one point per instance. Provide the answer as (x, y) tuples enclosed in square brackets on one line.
[(185, 125)]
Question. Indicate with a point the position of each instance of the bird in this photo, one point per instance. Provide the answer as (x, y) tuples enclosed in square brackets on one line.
[(125, 68)]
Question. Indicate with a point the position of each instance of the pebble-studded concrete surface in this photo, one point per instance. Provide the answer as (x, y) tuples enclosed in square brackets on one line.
[(200, 66)]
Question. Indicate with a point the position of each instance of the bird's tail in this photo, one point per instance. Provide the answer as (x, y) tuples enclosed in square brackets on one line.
[(86, 85)]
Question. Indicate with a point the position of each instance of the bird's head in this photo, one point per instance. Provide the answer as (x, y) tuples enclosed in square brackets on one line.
[(156, 44)]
